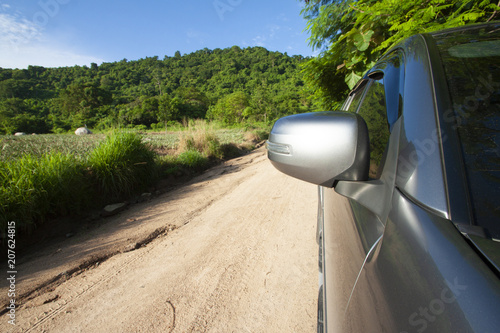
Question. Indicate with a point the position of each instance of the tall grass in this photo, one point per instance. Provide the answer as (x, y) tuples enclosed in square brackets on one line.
[(35, 188), (122, 164), (201, 137), (12, 147), (48, 176)]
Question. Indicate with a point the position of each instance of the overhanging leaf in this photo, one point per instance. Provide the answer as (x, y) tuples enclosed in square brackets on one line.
[(351, 79), (362, 40)]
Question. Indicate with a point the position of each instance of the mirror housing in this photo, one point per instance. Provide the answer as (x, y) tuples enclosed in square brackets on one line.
[(321, 147)]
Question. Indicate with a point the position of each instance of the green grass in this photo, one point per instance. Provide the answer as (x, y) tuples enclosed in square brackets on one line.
[(12, 147), (47, 176), (122, 164), (34, 188), (192, 159)]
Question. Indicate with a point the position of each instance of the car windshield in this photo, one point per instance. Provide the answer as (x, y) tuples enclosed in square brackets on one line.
[(471, 60)]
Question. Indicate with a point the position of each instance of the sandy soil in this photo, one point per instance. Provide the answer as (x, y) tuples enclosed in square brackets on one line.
[(232, 251)]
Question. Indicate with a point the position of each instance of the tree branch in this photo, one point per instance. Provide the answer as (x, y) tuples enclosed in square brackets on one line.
[(494, 13), (362, 11)]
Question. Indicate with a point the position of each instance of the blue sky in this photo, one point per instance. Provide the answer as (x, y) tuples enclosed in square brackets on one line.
[(53, 33)]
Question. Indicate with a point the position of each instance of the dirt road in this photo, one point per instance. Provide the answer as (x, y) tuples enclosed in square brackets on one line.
[(233, 251)]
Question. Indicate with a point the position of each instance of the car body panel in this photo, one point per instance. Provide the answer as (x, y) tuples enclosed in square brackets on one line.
[(444, 277), (419, 150), (401, 251)]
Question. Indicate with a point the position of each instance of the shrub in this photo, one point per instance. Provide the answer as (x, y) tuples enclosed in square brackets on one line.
[(158, 126), (202, 138), (140, 128), (33, 188), (230, 150), (257, 135), (122, 164), (192, 159)]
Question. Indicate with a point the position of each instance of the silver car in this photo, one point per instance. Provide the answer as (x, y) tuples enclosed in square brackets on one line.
[(409, 188)]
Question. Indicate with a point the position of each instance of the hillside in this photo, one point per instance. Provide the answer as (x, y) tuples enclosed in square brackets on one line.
[(230, 85)]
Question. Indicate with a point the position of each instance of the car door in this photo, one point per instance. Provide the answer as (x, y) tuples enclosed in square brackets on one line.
[(399, 250), (392, 253), (353, 227)]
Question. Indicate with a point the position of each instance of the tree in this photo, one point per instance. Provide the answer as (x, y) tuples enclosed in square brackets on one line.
[(352, 35), (150, 108), (230, 109), (125, 92), (193, 103), (168, 109), (10, 109), (17, 116)]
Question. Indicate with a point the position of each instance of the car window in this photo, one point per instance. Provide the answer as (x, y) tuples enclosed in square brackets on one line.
[(393, 74), (471, 62), (355, 97), (374, 111)]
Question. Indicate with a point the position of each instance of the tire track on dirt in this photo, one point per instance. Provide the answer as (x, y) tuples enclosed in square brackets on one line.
[(242, 258), (72, 291)]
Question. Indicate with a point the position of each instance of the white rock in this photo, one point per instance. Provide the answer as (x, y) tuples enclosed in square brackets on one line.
[(110, 210), (82, 131)]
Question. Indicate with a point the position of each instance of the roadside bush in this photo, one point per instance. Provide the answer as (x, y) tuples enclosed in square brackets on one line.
[(192, 159), (34, 188), (230, 150), (121, 165), (201, 137), (257, 135)]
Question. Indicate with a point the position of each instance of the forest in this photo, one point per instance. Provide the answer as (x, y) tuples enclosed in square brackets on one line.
[(231, 85), (234, 86)]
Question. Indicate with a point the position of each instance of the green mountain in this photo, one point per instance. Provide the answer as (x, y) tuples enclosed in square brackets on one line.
[(231, 85)]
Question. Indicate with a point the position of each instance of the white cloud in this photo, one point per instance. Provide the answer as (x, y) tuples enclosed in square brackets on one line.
[(197, 37), (16, 29), (259, 41), (283, 18), (40, 55), (273, 30), (23, 43)]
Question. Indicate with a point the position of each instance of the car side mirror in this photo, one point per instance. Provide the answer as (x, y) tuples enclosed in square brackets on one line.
[(321, 147)]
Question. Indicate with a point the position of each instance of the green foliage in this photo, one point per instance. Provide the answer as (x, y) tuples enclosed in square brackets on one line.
[(201, 137), (192, 159), (232, 109), (168, 109), (36, 187), (352, 35), (149, 91), (33, 188), (17, 115), (121, 164)]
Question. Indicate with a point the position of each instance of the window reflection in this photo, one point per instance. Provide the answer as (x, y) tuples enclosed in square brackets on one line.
[(374, 112)]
